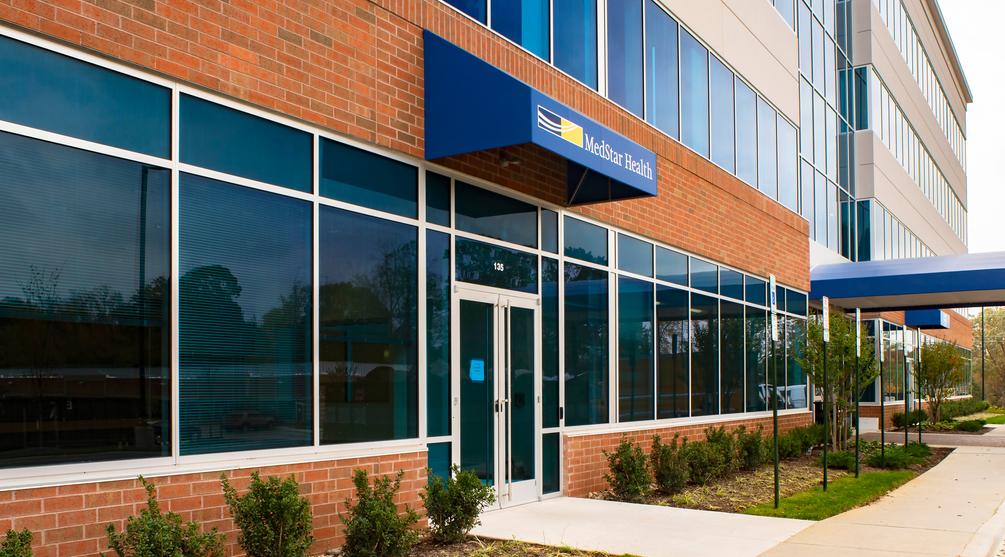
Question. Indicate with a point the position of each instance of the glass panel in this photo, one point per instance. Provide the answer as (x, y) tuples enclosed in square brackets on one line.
[(525, 22), (437, 199), (549, 230), (746, 133), (732, 334), (776, 369), (721, 80), (635, 350), (235, 142), (757, 359), (662, 86), (731, 283), (439, 460), (585, 241), (805, 41), (474, 8), (818, 55), (549, 342), (437, 333), (785, 8), (704, 276), (576, 39), (704, 355), (756, 291), (805, 119), (49, 91), (522, 390), (624, 53), (694, 94), (767, 171), (480, 263), (672, 317), (586, 345), (244, 318), (820, 209), (635, 256), (788, 193), (795, 302), (806, 191), (369, 341), (477, 389), (795, 337), (551, 463), (368, 179), (84, 306), (495, 216), (671, 266)]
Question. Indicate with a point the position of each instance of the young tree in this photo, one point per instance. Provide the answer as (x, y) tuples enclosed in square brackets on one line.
[(941, 370), (841, 372), (994, 366)]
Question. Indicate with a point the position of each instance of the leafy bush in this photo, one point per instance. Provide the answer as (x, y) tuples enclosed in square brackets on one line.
[(918, 450), (627, 474), (994, 409), (705, 462), (970, 425), (669, 465), (789, 446), (897, 419), (373, 526), (898, 457), (944, 425), (16, 544), (962, 407), (844, 460), (724, 442), (453, 506), (753, 451), (154, 534), (275, 521), (913, 418)]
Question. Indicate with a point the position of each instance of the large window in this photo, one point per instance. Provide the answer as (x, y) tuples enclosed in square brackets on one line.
[(662, 89), (84, 306), (635, 350), (495, 216), (673, 329), (704, 355), (244, 318), (437, 333), (694, 94), (767, 171), (586, 348), (746, 133), (525, 22), (624, 53), (368, 323), (723, 138), (757, 359), (731, 337), (356, 176), (576, 39)]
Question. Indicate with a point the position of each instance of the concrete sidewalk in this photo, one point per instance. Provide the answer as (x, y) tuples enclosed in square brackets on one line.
[(993, 438), (956, 508), (637, 529)]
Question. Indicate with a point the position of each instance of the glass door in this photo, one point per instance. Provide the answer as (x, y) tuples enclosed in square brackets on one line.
[(496, 373)]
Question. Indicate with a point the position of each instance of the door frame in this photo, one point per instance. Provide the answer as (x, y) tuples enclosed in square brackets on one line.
[(499, 298)]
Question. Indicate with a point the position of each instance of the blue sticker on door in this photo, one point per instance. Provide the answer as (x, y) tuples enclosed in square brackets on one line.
[(476, 371)]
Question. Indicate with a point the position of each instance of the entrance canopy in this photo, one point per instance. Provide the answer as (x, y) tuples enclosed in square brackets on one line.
[(473, 106), (950, 281)]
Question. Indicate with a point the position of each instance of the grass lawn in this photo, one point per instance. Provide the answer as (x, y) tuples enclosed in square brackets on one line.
[(842, 494), (999, 419)]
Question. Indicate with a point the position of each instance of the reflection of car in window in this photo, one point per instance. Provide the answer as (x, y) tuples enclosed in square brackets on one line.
[(250, 419)]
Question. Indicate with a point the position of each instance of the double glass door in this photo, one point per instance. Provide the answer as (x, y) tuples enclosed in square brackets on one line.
[(496, 377)]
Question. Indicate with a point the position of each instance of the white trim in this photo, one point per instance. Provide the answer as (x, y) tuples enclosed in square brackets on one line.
[(625, 427)]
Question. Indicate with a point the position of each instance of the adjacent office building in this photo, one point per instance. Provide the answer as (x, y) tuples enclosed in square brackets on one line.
[(312, 237)]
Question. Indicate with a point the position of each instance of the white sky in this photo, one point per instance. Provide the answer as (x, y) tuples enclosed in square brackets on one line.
[(976, 28)]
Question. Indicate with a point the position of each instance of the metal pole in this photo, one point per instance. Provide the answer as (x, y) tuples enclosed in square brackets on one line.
[(857, 390), (907, 422), (827, 428), (917, 374), (774, 413), (983, 353), (882, 396)]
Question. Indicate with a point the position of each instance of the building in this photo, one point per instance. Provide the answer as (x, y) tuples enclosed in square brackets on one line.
[(312, 237)]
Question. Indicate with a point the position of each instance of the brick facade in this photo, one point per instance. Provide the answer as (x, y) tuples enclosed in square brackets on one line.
[(583, 454), (70, 520), (960, 328)]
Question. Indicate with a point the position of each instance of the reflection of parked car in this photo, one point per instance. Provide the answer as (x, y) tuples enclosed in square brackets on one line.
[(250, 419)]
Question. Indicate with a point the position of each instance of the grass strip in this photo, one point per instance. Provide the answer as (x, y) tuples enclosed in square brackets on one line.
[(999, 419), (842, 494)]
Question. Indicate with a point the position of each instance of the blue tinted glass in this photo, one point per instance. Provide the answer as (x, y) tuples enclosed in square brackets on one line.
[(585, 241), (731, 334), (84, 306), (785, 8), (635, 350), (805, 41), (704, 276), (45, 90), (780, 297), (721, 80), (576, 39), (244, 318), (491, 265), (550, 463), (661, 70), (525, 22), (624, 53), (474, 8), (731, 283), (674, 329), (368, 302), (757, 359), (756, 291), (746, 133), (437, 199), (549, 342), (635, 256), (671, 266), (238, 143), (767, 171), (368, 179), (788, 192), (704, 355), (586, 345), (437, 333), (694, 94), (494, 215), (549, 230), (795, 302), (795, 376), (439, 460)]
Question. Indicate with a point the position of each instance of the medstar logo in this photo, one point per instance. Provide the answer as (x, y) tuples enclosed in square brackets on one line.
[(553, 123)]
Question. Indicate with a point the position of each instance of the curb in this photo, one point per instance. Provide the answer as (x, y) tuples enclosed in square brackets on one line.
[(988, 540)]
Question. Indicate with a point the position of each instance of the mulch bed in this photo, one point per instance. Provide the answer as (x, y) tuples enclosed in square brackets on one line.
[(482, 547)]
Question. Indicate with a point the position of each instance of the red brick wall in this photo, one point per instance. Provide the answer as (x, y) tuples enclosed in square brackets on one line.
[(960, 328), (355, 67), (583, 455), (70, 520), (890, 408)]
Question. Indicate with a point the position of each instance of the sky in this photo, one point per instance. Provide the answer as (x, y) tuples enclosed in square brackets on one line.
[(975, 26)]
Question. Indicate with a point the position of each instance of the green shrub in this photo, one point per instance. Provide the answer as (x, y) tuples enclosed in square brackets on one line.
[(669, 465), (373, 526), (705, 462), (275, 521), (843, 460), (753, 451), (944, 425), (627, 474), (789, 446), (970, 425), (995, 409), (16, 544), (962, 407), (898, 457), (453, 505), (154, 534), (918, 450), (724, 442)]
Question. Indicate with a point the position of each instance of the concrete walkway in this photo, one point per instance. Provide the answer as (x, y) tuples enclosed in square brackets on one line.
[(993, 438), (956, 508), (637, 529)]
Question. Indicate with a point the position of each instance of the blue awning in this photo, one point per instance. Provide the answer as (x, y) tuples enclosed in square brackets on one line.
[(927, 319), (949, 281), (473, 106)]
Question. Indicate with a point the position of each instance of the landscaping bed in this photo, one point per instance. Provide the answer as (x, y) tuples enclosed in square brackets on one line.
[(481, 547)]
